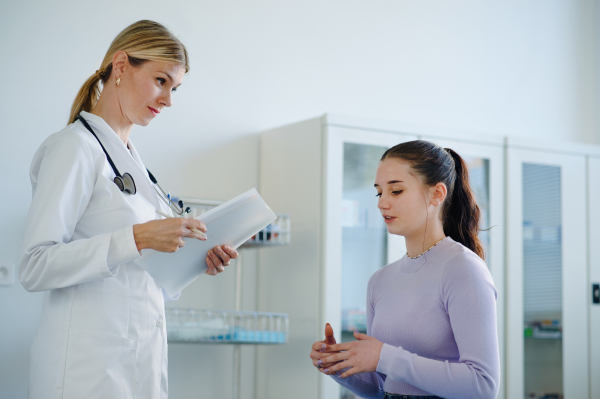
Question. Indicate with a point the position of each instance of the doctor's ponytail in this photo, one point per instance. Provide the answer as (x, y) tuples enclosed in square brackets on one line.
[(142, 41), (433, 164)]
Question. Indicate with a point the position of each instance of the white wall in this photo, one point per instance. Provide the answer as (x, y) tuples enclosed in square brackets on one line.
[(511, 68)]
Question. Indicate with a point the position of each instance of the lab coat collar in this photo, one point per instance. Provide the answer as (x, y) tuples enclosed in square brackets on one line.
[(101, 124), (125, 157)]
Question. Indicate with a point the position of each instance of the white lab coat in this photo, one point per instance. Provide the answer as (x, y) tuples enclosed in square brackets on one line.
[(102, 332)]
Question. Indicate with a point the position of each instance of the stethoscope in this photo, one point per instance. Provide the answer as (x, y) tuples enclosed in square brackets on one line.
[(126, 184)]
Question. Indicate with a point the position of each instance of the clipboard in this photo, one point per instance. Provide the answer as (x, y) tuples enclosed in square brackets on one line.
[(231, 223)]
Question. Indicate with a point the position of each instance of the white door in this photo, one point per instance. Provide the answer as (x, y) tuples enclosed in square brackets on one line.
[(486, 174), (594, 251), (357, 242), (547, 277)]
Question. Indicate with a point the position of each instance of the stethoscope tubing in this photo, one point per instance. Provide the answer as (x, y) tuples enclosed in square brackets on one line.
[(125, 182)]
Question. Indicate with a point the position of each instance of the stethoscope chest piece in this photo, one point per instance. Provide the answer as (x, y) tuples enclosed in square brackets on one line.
[(125, 183)]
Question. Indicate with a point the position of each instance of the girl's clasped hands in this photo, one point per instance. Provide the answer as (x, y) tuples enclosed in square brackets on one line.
[(346, 359)]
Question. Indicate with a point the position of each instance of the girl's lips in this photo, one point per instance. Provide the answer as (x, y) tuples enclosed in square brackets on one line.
[(154, 111), (389, 219)]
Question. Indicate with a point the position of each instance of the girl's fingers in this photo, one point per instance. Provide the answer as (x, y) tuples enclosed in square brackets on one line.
[(317, 346), (340, 347), (336, 357), (349, 372), (337, 367)]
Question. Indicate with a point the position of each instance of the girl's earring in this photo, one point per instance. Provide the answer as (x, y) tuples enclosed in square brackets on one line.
[(118, 80)]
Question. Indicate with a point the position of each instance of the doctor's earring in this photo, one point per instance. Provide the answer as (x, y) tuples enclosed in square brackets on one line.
[(118, 80)]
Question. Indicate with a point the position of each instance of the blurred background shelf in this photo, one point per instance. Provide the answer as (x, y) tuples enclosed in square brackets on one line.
[(226, 327)]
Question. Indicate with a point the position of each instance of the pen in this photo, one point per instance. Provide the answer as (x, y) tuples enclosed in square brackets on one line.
[(201, 234)]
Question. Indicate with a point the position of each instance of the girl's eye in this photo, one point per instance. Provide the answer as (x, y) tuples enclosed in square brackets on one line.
[(174, 89), (161, 81), (393, 192)]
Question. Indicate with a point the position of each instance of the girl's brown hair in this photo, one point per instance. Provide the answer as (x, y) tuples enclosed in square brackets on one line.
[(142, 41), (434, 164)]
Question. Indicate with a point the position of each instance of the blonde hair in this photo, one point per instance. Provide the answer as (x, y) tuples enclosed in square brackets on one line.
[(142, 41)]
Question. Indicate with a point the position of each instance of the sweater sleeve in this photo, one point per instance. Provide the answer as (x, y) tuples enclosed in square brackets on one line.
[(63, 177), (365, 385), (469, 296)]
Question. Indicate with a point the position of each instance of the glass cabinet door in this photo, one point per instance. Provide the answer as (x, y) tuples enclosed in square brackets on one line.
[(542, 281), (593, 165), (486, 177), (547, 318), (364, 237), (364, 233)]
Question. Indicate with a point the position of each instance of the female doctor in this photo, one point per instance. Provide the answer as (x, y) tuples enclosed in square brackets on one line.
[(102, 332)]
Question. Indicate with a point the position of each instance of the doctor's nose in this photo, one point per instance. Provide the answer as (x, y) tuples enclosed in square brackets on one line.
[(166, 99)]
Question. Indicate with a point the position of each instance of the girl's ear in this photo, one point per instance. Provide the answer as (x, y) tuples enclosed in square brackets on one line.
[(438, 194)]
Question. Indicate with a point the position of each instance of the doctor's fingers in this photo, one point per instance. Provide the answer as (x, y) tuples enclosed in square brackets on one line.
[(212, 270), (220, 252), (217, 262), (233, 254), (191, 223)]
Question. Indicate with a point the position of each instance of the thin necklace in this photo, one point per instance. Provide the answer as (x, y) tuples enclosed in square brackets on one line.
[(415, 257)]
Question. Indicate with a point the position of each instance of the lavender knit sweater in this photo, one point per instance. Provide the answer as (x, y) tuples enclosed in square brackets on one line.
[(436, 316)]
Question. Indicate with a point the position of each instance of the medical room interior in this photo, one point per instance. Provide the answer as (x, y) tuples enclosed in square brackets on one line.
[(300, 99)]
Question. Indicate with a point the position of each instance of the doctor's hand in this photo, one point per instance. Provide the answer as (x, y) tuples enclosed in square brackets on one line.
[(218, 258), (360, 356), (166, 235), (318, 349)]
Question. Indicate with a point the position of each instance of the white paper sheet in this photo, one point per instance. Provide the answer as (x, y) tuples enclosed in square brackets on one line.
[(231, 223)]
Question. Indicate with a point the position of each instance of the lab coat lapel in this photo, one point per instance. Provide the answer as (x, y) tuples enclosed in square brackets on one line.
[(125, 161)]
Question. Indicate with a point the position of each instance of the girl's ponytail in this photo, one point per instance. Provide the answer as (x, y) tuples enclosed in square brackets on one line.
[(461, 212)]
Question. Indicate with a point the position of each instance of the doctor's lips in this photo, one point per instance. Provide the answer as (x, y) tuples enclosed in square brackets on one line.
[(388, 219), (154, 111)]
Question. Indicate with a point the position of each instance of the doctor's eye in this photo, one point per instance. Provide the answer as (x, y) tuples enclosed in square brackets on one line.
[(397, 192), (378, 195), (174, 89), (161, 81)]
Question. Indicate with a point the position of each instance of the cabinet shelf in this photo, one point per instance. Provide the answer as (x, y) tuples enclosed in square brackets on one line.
[(544, 338), (226, 327)]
